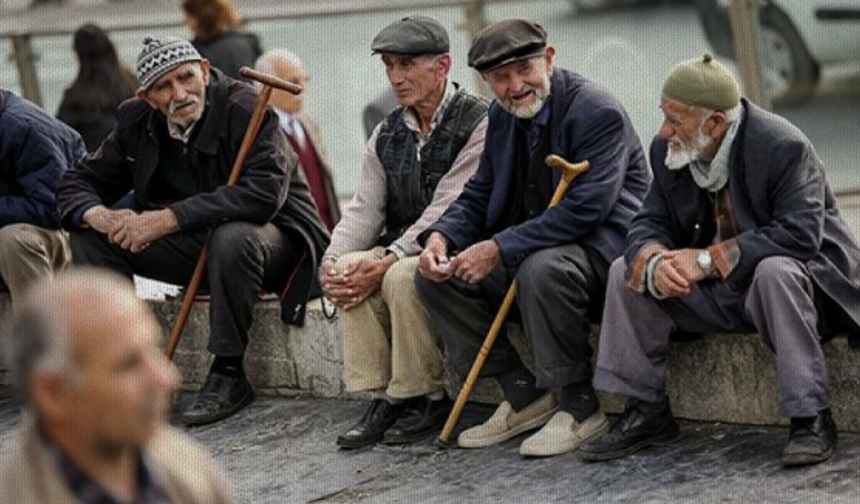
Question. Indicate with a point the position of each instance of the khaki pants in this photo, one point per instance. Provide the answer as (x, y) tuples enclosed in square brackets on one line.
[(29, 253), (388, 341)]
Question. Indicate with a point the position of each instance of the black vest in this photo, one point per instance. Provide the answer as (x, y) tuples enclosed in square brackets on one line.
[(411, 178)]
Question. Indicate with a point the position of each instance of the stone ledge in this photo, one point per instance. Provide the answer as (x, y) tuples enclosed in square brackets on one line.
[(722, 378)]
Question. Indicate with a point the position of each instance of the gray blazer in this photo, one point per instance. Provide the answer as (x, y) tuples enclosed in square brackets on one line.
[(783, 207)]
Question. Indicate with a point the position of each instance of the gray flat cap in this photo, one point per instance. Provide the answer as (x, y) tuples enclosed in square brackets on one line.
[(506, 42), (412, 35)]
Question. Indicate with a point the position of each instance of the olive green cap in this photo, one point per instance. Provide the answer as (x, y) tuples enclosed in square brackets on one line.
[(703, 82)]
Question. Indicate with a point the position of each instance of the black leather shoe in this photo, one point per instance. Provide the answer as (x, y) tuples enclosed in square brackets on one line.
[(421, 418), (811, 440), (221, 396), (380, 415), (641, 425)]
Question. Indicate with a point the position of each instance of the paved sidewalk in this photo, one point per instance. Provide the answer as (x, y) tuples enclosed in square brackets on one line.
[(282, 451)]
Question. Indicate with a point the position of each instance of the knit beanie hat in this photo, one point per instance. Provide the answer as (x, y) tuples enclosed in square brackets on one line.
[(160, 55), (702, 82)]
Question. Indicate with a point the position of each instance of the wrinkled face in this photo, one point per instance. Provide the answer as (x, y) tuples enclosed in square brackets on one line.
[(180, 94), (683, 129), (415, 79), (522, 87), (120, 390), (288, 102)]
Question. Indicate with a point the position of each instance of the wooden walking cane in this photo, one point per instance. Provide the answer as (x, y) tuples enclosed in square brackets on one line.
[(569, 172), (268, 82)]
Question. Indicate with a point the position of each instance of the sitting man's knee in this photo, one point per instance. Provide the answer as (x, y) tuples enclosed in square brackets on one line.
[(16, 239), (400, 276), (776, 270), (232, 239)]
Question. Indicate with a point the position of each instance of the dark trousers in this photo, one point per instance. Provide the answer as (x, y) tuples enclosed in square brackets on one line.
[(244, 259), (557, 289)]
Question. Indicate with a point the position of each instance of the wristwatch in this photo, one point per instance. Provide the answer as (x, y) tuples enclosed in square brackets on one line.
[(705, 262)]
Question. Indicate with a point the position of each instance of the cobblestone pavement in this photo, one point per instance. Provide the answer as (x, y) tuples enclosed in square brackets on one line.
[(282, 451)]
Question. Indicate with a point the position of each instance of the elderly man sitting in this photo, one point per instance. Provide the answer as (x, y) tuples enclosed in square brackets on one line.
[(174, 147), (740, 232)]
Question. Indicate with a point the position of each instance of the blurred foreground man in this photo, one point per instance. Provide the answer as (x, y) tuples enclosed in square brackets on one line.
[(500, 229), (98, 390), (739, 233), (415, 165)]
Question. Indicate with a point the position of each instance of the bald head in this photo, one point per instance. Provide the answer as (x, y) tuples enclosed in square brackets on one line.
[(286, 65)]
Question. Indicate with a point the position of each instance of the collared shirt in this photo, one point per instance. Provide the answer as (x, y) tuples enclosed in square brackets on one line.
[(88, 491), (292, 127), (410, 118), (364, 217), (177, 132)]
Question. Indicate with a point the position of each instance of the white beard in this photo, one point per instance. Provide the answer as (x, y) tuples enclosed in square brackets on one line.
[(532, 109), (685, 154)]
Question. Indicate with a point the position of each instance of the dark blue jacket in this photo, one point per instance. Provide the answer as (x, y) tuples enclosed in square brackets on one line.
[(35, 150), (586, 123)]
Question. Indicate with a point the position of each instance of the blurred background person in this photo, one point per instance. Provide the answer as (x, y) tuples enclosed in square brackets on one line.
[(303, 132), (217, 38), (375, 111), (103, 82)]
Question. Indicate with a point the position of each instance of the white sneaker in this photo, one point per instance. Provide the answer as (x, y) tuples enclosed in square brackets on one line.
[(563, 434), (507, 423)]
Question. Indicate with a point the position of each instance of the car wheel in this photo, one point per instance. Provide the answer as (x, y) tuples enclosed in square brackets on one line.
[(789, 71)]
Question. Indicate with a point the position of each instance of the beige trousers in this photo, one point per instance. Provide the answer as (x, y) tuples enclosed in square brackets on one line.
[(388, 340), (29, 253)]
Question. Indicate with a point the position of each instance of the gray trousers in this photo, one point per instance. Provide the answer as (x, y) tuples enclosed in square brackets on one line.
[(244, 260), (779, 304), (557, 288)]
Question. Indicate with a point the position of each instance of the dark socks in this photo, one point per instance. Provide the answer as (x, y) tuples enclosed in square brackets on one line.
[(519, 388), (231, 365), (579, 400)]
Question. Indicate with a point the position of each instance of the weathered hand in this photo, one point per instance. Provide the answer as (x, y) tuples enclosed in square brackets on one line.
[(685, 262), (677, 272), (668, 281), (102, 219), (356, 283), (364, 278), (433, 263), (476, 262), (332, 283), (135, 232)]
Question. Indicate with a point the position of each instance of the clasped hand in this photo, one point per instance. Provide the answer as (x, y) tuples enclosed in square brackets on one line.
[(129, 230), (677, 272), (471, 266), (360, 280)]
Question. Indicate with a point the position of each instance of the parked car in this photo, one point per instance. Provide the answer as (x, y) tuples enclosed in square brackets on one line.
[(797, 37)]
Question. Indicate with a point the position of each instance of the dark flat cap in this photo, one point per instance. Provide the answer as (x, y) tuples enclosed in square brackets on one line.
[(506, 42), (412, 35)]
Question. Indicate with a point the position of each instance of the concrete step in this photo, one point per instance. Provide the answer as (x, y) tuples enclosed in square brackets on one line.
[(720, 377)]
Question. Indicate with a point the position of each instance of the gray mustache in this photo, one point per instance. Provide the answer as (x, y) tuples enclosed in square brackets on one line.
[(178, 103)]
